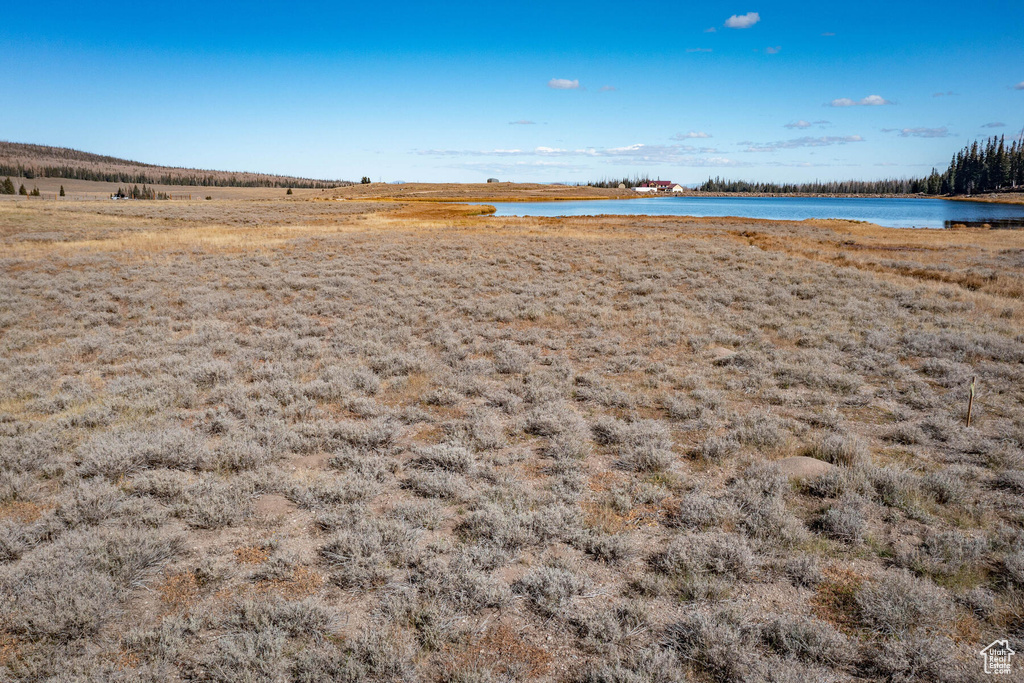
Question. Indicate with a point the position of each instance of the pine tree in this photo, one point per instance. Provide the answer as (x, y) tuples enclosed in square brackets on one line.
[(973, 168), (1017, 163), (61, 190), (8, 187), (22, 190), (1004, 165), (951, 175)]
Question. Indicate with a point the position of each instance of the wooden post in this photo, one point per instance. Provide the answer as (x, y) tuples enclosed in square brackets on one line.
[(970, 403)]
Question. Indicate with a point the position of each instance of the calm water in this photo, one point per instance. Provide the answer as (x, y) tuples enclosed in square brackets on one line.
[(895, 213)]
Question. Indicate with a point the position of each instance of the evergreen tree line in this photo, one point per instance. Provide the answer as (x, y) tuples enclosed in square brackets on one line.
[(7, 187), (887, 186), (135, 192), (991, 166), (139, 177), (988, 167), (615, 182)]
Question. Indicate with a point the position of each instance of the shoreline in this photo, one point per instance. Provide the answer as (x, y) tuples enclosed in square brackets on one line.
[(447, 193), (1000, 198)]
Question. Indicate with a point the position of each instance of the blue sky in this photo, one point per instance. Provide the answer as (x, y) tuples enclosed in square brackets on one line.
[(543, 92)]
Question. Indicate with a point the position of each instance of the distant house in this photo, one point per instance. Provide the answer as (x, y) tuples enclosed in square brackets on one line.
[(678, 188), (658, 186), (493, 180)]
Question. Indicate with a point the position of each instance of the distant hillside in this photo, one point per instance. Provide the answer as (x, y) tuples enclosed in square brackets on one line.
[(39, 161)]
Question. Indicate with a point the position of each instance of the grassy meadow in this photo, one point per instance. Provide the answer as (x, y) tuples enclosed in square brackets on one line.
[(295, 440)]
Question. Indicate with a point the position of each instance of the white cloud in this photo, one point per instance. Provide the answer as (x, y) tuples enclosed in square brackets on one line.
[(742, 20), (521, 122), (995, 124), (1019, 86), (828, 34), (608, 88), (924, 132), (948, 93), (679, 155), (801, 124), (808, 141), (711, 30), (714, 162), (797, 164), (692, 135), (869, 101), (471, 153), (773, 50), (543, 169), (563, 84)]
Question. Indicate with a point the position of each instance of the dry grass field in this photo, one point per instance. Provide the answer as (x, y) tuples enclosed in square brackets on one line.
[(79, 190), (270, 440), (996, 197), (495, 192)]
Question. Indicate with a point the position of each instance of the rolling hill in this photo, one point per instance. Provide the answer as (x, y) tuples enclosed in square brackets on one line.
[(40, 161)]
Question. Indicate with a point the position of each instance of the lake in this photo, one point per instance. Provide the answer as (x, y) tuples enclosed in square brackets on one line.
[(895, 213)]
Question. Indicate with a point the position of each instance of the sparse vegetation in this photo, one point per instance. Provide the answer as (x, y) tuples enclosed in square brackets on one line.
[(40, 161), (299, 440)]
